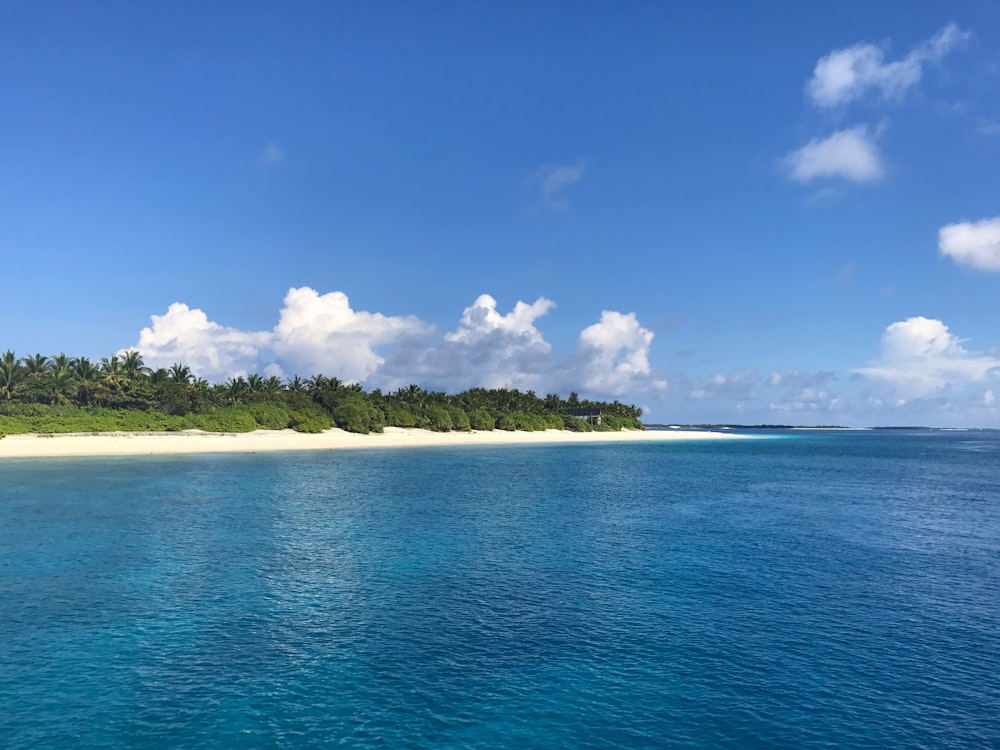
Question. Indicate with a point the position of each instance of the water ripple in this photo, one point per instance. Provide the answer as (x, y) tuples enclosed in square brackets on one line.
[(822, 592)]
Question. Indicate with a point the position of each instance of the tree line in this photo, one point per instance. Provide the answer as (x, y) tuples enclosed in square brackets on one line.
[(45, 394)]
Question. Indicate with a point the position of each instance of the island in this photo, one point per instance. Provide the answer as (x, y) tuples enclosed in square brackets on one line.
[(120, 394)]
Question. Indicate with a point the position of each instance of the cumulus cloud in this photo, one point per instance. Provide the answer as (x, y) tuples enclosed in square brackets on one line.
[(487, 349), (848, 74), (552, 182), (209, 349), (850, 154), (482, 319), (315, 333), (492, 350), (920, 356), (972, 243), (321, 333), (615, 353)]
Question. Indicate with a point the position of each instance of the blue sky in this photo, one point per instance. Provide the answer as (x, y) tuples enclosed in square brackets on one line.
[(739, 212)]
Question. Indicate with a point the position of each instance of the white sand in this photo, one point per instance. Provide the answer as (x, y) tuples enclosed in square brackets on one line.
[(195, 441)]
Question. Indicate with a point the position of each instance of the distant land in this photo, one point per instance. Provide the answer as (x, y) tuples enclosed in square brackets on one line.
[(811, 427), (747, 427)]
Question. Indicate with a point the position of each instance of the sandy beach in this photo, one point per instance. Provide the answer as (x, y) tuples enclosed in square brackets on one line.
[(195, 441)]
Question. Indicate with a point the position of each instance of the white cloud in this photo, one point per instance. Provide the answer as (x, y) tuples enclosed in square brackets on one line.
[(738, 386), (920, 356), (807, 401), (850, 154), (322, 334), (616, 354), (803, 393), (314, 334), (847, 74), (271, 155), (482, 318), (972, 243), (553, 181), (486, 349), (798, 379), (209, 349)]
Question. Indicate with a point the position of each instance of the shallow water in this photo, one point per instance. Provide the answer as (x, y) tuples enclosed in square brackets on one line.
[(822, 590)]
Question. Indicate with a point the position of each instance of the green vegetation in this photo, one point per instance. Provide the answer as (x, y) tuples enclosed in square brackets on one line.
[(43, 394)]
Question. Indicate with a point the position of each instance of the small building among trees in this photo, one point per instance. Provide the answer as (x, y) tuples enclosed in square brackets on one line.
[(592, 416)]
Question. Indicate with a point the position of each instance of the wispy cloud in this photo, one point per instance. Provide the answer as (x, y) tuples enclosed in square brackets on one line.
[(551, 184), (972, 243), (848, 74), (849, 154), (844, 275), (987, 126), (738, 386), (271, 155)]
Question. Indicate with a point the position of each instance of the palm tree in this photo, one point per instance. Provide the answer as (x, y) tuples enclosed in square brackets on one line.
[(61, 362), (10, 373), (414, 396), (84, 370), (180, 373), (235, 389), (295, 385), (316, 384), (111, 368), (37, 366), (271, 387), (158, 377), (61, 386), (109, 389), (132, 366)]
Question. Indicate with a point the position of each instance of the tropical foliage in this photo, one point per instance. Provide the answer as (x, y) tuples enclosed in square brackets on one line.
[(46, 394)]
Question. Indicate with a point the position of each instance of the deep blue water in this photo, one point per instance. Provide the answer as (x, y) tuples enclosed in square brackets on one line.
[(822, 590)]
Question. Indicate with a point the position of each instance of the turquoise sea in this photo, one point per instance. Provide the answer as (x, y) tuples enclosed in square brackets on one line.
[(834, 590)]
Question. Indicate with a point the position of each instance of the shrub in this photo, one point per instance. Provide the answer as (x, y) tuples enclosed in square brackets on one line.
[(480, 419), (506, 422), (552, 421), (520, 420), (575, 424), (459, 419), (438, 419), (227, 419), (357, 415), (310, 419), (401, 418), (270, 416)]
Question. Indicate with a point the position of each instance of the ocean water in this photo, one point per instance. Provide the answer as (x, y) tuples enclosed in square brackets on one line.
[(815, 590)]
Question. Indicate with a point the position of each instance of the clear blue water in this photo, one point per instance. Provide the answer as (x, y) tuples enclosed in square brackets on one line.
[(822, 590)]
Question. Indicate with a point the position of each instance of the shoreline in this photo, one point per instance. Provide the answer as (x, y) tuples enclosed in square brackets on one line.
[(72, 445)]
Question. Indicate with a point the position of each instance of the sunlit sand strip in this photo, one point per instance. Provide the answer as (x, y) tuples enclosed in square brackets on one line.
[(195, 441)]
